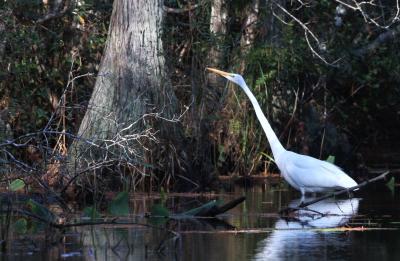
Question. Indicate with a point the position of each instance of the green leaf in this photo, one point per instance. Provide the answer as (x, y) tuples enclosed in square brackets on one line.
[(41, 211), (91, 212), (331, 159), (21, 226), (390, 184), (268, 157), (17, 184), (163, 196), (159, 214), (159, 210), (120, 205)]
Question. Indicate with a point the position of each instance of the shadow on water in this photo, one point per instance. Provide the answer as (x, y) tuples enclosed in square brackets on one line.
[(354, 229)]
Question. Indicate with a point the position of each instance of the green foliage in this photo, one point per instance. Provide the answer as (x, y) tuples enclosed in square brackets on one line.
[(268, 157), (331, 159), (91, 212), (21, 226), (163, 196), (358, 94), (273, 74), (119, 206), (391, 184), (235, 126), (40, 211), (159, 210), (221, 156), (38, 59), (159, 214), (16, 184)]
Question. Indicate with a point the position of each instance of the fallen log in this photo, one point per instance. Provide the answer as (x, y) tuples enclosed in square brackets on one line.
[(212, 209), (217, 210)]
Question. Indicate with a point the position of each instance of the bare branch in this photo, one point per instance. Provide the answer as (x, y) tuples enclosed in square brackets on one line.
[(307, 32), (55, 12), (337, 193), (381, 39), (360, 7), (344, 191)]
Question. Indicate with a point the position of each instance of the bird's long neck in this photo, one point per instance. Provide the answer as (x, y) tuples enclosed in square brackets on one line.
[(273, 140)]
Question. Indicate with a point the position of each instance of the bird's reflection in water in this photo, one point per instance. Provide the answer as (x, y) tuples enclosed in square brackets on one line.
[(297, 238)]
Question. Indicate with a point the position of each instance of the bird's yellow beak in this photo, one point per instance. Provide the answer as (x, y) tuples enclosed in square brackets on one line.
[(222, 73)]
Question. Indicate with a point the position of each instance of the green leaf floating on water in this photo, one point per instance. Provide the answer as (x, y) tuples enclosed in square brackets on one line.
[(159, 210), (91, 212), (21, 226), (17, 184), (159, 214), (331, 159), (120, 205), (390, 184)]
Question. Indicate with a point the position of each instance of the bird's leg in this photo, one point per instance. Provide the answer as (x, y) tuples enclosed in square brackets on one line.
[(303, 196), (350, 194)]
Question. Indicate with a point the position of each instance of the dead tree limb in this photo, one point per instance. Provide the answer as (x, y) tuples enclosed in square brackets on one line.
[(211, 209), (383, 38), (57, 11), (344, 191), (216, 210), (303, 205)]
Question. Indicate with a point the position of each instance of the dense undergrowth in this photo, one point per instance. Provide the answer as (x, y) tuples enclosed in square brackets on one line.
[(342, 108)]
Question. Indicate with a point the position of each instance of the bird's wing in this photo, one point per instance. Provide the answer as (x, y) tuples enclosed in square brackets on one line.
[(313, 173)]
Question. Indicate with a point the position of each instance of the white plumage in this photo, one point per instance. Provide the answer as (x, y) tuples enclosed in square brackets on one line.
[(308, 174), (304, 173)]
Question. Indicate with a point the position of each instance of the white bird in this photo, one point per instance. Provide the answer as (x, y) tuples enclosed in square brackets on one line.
[(304, 173)]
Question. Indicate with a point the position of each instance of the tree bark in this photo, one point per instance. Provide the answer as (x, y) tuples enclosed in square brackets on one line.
[(249, 35), (233, 113), (131, 84), (382, 38), (218, 30), (2, 37)]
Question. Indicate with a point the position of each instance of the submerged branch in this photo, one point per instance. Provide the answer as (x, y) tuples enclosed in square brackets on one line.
[(113, 221), (224, 208), (344, 191), (337, 193)]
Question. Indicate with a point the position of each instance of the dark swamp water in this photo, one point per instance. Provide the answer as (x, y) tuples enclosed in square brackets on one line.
[(366, 227)]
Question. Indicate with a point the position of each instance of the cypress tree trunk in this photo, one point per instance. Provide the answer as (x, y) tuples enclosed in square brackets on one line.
[(218, 30), (132, 86), (249, 35), (131, 80), (2, 38)]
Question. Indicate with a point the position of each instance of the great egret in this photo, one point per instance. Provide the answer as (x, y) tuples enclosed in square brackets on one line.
[(304, 173)]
